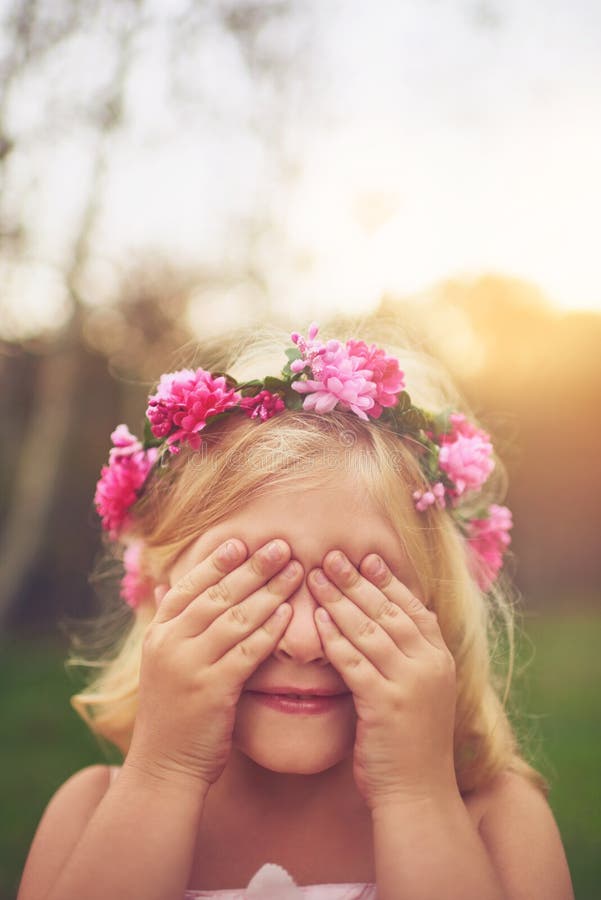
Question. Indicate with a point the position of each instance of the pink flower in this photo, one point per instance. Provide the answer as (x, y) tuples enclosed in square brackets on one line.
[(339, 381), (309, 348), (466, 455), (122, 479), (182, 404), (262, 406), (487, 539), (385, 373), (135, 587), (353, 376), (424, 499)]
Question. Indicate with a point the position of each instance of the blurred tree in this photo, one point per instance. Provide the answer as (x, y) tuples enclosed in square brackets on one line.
[(144, 316)]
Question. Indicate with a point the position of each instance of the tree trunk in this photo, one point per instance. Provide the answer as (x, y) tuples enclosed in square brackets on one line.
[(37, 471)]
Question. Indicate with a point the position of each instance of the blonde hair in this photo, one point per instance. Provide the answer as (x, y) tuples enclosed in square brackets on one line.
[(241, 460)]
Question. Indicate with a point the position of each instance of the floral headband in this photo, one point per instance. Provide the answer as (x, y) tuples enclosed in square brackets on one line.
[(456, 457)]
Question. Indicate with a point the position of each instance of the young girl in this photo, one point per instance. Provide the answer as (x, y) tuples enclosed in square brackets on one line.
[(305, 698)]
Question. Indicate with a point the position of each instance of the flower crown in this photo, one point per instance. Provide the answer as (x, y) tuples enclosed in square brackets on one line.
[(455, 456)]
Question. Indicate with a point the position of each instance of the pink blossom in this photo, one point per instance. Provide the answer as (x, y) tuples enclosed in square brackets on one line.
[(309, 347), (262, 406), (122, 479), (462, 425), (384, 372), (339, 380), (124, 443), (466, 455), (436, 495), (183, 402), (135, 587), (353, 376), (487, 539)]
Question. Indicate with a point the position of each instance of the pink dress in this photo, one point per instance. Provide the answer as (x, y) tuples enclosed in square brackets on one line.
[(272, 882)]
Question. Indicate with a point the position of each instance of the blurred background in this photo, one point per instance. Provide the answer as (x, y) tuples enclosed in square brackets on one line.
[(171, 171)]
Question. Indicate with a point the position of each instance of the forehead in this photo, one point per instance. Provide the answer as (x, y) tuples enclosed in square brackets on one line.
[(313, 520)]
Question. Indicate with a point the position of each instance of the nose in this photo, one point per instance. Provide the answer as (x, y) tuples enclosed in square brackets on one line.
[(301, 642)]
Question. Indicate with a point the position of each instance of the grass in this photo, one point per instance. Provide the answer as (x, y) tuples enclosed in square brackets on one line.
[(44, 741)]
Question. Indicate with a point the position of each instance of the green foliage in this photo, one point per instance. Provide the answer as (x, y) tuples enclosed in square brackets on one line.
[(292, 353), (149, 439)]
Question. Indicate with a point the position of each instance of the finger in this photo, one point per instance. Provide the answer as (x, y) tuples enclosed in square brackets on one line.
[(241, 583), (392, 617), (159, 592), (225, 576), (238, 664), (358, 673), (359, 628), (238, 622), (375, 569), (225, 558)]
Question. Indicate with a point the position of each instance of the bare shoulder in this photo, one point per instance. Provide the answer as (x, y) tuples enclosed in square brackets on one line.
[(521, 835), (66, 815)]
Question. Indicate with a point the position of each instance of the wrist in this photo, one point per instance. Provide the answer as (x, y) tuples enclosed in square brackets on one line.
[(418, 800), (163, 775)]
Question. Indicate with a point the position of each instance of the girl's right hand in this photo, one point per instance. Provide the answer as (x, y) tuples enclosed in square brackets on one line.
[(211, 631)]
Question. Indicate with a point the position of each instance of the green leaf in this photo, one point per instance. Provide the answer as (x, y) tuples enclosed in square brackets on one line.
[(293, 353), (229, 379), (274, 384), (413, 419), (293, 399), (251, 389), (254, 382), (403, 402), (149, 440), (441, 422)]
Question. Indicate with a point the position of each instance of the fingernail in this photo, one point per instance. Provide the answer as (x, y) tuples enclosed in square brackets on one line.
[(229, 551), (291, 569), (274, 550), (319, 576), (375, 566)]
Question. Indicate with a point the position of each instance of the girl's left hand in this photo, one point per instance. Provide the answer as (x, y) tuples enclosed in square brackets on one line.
[(388, 648)]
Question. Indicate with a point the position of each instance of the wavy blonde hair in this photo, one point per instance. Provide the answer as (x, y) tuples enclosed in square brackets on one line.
[(240, 461)]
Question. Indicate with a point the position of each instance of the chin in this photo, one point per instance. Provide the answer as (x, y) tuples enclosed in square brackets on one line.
[(300, 750), (292, 761)]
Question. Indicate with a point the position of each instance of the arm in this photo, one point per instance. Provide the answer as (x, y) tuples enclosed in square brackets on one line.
[(429, 848), (433, 850), (138, 841)]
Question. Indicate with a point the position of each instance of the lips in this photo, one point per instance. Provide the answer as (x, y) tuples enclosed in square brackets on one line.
[(299, 693), (314, 704)]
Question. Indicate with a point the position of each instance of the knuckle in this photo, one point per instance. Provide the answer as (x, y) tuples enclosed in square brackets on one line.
[(237, 615), (388, 610), (245, 651), (155, 640), (218, 594), (415, 605), (276, 585), (185, 586), (367, 628), (355, 661), (257, 565)]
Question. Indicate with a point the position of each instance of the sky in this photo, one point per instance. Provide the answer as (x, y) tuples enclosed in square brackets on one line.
[(415, 141)]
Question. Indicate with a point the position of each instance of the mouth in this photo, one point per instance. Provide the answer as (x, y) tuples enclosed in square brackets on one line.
[(307, 704)]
